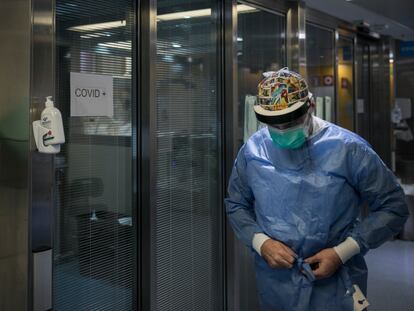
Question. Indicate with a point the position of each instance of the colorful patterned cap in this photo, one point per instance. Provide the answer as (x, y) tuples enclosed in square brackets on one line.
[(283, 96)]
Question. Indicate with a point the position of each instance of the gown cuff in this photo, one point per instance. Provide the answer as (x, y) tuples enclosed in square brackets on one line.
[(258, 240), (347, 249)]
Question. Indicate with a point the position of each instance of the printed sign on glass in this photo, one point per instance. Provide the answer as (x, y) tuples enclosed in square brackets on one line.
[(91, 95)]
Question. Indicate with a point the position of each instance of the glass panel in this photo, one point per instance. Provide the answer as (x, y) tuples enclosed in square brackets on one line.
[(188, 206), (363, 101), (94, 233), (320, 69), (259, 49), (345, 83)]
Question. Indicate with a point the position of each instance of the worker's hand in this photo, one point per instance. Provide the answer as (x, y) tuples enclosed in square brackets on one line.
[(326, 262), (277, 254)]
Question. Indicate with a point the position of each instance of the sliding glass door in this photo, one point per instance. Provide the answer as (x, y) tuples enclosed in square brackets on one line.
[(96, 246), (259, 49), (186, 241), (363, 102), (94, 235), (320, 58)]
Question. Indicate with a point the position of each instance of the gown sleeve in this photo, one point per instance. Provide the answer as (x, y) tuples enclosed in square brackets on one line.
[(379, 188), (240, 202)]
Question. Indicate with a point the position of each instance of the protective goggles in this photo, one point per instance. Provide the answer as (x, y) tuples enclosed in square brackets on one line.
[(291, 125)]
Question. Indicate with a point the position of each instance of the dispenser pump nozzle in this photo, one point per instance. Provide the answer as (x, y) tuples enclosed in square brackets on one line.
[(49, 102)]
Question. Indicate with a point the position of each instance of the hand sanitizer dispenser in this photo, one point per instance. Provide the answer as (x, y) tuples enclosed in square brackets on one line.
[(48, 131)]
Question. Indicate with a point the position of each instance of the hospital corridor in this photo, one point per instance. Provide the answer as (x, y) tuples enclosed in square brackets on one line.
[(206, 155)]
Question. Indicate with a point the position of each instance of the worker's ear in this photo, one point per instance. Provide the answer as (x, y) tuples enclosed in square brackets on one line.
[(312, 102)]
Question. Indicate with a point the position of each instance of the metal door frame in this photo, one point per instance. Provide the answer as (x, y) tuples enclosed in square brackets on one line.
[(41, 166), (147, 139)]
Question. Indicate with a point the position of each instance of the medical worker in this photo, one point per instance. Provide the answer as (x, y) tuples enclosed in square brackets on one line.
[(295, 196)]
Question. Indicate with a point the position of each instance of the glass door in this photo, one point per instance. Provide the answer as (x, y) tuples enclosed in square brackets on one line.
[(320, 55), (259, 49), (260, 46), (345, 83), (95, 213), (363, 111), (186, 265)]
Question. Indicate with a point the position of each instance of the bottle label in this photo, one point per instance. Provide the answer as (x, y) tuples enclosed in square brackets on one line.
[(46, 123)]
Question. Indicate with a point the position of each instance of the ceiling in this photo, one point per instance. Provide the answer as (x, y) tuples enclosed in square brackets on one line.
[(399, 10), (388, 17)]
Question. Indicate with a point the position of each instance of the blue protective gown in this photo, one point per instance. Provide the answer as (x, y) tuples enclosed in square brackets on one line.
[(310, 199)]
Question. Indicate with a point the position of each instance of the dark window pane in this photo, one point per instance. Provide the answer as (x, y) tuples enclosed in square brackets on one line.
[(259, 49), (186, 231), (363, 111), (320, 69)]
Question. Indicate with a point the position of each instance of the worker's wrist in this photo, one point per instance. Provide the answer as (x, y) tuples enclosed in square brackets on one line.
[(258, 240), (347, 249)]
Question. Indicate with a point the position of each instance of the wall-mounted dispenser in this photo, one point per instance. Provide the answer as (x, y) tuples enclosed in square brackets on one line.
[(48, 131)]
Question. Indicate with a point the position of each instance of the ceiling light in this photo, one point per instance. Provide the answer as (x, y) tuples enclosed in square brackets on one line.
[(124, 45), (163, 17), (242, 8), (98, 26), (391, 56), (168, 58), (199, 13), (184, 15), (176, 45), (89, 36), (95, 35)]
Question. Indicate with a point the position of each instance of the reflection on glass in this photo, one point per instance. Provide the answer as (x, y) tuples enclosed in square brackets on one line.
[(102, 48), (259, 49), (345, 83), (186, 14), (98, 26), (94, 254), (363, 100), (186, 237), (320, 69)]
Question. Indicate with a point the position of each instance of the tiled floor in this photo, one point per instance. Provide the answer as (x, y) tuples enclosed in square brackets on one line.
[(391, 277)]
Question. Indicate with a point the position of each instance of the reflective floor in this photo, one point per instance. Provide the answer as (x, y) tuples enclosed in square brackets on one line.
[(391, 276), (76, 292)]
